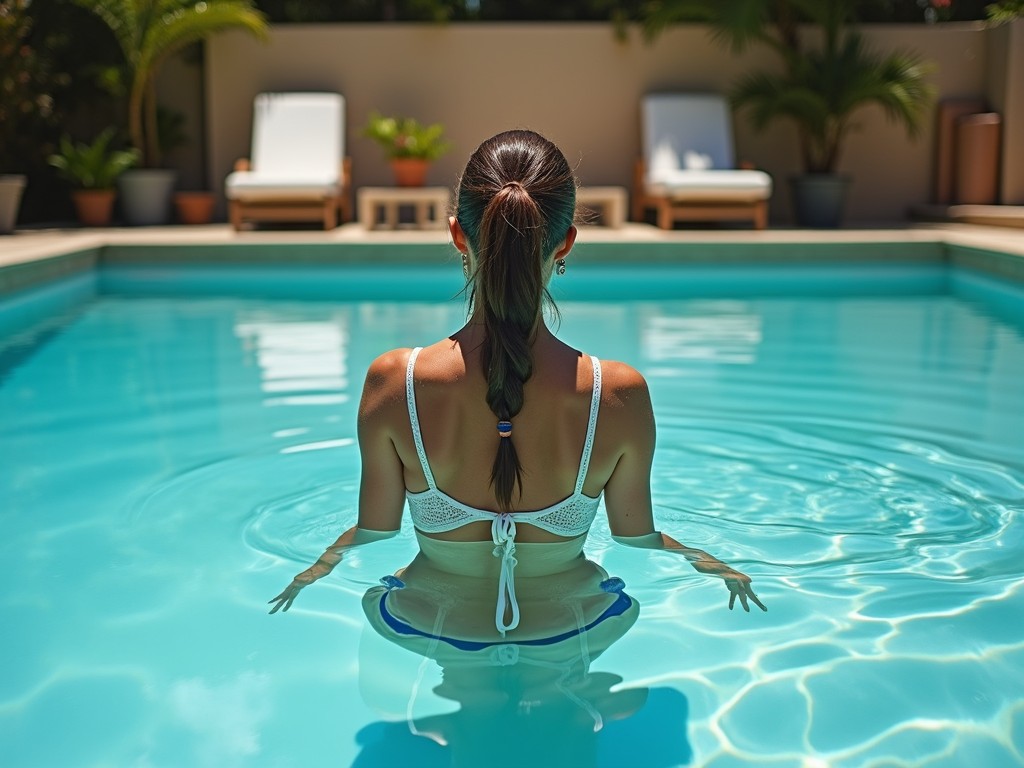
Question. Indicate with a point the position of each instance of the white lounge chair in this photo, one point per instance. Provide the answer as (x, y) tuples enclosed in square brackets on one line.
[(298, 171), (688, 172)]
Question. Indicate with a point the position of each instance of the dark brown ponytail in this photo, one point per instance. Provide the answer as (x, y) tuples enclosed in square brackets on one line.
[(516, 202)]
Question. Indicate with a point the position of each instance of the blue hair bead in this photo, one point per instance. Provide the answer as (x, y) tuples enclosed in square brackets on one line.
[(504, 429)]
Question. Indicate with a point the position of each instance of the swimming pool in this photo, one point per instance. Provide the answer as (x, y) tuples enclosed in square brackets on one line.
[(850, 438)]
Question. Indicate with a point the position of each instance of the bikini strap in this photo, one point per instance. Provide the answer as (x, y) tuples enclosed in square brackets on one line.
[(410, 399), (588, 444)]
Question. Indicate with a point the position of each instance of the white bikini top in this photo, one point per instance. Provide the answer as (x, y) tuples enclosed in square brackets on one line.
[(434, 511)]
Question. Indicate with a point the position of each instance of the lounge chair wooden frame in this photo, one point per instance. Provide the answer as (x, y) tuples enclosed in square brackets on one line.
[(287, 208), (670, 209)]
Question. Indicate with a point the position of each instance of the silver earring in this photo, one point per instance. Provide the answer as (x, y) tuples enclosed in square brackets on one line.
[(560, 266), (465, 266)]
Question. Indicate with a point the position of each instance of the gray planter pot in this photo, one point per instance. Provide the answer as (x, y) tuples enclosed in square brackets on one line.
[(145, 196), (11, 188), (819, 199)]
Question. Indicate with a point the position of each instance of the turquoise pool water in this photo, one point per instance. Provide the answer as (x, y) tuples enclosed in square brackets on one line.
[(854, 441)]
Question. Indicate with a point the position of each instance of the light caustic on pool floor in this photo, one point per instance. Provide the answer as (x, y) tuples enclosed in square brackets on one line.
[(860, 459)]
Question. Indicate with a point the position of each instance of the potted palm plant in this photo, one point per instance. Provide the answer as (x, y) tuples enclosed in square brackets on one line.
[(819, 88), (148, 31), (93, 170), (408, 144)]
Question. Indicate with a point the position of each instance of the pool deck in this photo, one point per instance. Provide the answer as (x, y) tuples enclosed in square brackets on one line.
[(33, 256)]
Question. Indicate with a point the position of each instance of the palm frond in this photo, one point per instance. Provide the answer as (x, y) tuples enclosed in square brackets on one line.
[(905, 92), (739, 23), (150, 30), (659, 15), (1005, 11), (121, 17), (857, 76), (770, 97), (183, 23), (822, 89), (827, 14)]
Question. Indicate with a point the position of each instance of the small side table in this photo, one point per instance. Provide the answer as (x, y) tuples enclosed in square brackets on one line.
[(611, 201), (430, 205)]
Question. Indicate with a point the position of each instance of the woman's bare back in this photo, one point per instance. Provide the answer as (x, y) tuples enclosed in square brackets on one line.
[(460, 437)]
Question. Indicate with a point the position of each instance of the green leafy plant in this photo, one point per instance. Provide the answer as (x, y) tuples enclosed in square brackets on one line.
[(170, 129), (819, 88), (405, 137), (149, 31), (28, 81), (92, 166), (1005, 11)]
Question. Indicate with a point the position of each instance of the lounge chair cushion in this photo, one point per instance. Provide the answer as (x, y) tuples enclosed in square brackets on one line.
[(711, 185), (252, 185)]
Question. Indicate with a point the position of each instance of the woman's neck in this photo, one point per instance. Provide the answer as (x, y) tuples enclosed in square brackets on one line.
[(476, 327)]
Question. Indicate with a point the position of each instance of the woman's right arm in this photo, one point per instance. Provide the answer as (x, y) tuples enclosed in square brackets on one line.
[(628, 491), (381, 483)]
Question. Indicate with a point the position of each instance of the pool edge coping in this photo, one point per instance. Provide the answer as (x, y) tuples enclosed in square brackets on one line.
[(81, 252)]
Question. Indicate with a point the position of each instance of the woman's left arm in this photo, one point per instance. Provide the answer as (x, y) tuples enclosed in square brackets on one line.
[(737, 582), (628, 491), (382, 482)]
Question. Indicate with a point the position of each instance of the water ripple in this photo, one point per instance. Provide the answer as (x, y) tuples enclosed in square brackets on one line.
[(820, 496), (288, 504)]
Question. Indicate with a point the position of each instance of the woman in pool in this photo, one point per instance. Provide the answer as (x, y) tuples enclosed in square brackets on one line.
[(501, 438)]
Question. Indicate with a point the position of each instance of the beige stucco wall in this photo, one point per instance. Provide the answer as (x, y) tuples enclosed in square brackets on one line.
[(575, 83)]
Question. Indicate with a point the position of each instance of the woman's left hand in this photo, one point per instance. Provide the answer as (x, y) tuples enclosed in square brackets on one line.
[(739, 586), (737, 582)]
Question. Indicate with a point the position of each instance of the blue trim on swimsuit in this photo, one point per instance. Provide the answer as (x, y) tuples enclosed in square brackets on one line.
[(620, 606)]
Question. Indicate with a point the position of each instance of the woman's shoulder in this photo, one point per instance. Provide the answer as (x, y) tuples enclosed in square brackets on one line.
[(626, 411), (384, 387), (622, 383), (387, 373), (388, 368)]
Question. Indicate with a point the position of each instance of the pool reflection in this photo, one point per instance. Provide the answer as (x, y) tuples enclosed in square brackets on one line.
[(453, 692)]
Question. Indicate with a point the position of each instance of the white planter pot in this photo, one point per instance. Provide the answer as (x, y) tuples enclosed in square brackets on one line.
[(146, 196), (11, 188)]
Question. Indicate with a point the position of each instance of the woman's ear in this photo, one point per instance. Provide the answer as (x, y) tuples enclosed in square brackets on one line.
[(458, 236), (566, 245)]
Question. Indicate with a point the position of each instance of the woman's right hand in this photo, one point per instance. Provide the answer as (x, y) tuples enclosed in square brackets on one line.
[(353, 537), (284, 600)]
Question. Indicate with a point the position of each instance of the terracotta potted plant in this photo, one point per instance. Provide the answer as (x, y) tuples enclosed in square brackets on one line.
[(194, 207), (409, 145), (190, 206), (148, 32), (93, 170)]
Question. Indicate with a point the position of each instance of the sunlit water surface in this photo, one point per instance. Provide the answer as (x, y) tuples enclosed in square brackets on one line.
[(169, 464)]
